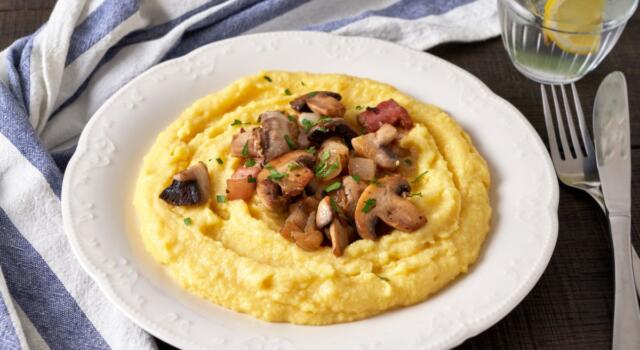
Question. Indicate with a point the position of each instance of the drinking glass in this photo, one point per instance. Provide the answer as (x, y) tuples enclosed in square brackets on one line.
[(559, 41)]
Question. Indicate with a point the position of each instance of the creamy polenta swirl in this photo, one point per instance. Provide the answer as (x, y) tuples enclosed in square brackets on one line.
[(231, 252)]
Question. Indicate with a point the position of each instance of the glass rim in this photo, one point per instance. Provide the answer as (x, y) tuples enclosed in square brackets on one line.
[(526, 14)]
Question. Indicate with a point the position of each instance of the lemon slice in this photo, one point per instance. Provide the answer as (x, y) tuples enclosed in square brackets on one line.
[(565, 17)]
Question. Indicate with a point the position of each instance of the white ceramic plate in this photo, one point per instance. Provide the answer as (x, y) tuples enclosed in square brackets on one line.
[(98, 185)]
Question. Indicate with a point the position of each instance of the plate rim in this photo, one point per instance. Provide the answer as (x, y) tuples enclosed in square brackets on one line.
[(491, 318)]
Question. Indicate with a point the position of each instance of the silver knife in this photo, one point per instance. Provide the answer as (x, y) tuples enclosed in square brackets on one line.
[(613, 155)]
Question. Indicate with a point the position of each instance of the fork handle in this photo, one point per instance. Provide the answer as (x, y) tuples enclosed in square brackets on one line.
[(626, 319)]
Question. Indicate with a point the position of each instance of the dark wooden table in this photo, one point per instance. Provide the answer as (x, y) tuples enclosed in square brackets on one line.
[(572, 305)]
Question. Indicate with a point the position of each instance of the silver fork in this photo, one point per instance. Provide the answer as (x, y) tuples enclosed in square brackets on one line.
[(575, 161)]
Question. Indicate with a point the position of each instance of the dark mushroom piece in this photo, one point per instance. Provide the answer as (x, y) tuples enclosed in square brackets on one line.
[(374, 147), (300, 103), (284, 177), (340, 237), (384, 202), (326, 105), (332, 127), (276, 128), (189, 187)]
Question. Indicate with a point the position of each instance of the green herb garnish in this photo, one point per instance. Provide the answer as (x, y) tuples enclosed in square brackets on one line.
[(290, 142), (267, 78), (187, 221), (311, 150), (408, 161), (334, 186), (368, 205), (416, 194), (221, 199), (287, 92), (250, 162), (251, 179), (358, 107), (312, 93), (356, 177), (307, 124), (422, 174), (245, 150), (327, 170), (276, 175), (219, 161), (325, 155), (302, 83), (236, 122), (291, 118)]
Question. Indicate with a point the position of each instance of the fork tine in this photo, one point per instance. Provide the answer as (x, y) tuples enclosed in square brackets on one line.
[(551, 132), (563, 137), (586, 138), (572, 130)]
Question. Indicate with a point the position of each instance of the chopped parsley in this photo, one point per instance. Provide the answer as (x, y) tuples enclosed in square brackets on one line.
[(382, 277), (324, 117), (245, 150), (236, 122), (368, 205), (336, 209), (187, 221), (250, 162), (311, 94), (291, 118), (325, 155), (219, 161), (290, 142), (221, 199), (334, 186), (311, 150), (356, 177), (287, 92), (420, 176), (294, 166), (408, 161), (307, 124), (267, 78), (416, 194), (322, 129), (275, 175), (251, 179), (302, 83), (358, 107)]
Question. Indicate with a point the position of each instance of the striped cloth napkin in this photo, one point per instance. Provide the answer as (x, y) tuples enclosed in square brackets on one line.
[(52, 81)]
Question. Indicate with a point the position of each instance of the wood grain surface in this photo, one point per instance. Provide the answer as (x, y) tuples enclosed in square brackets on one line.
[(572, 304)]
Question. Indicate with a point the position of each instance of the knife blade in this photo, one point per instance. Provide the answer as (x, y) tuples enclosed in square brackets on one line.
[(613, 157)]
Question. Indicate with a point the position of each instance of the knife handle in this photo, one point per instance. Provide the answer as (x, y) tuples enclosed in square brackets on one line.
[(626, 319)]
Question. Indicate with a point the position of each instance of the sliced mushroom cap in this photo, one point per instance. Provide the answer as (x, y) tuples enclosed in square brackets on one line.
[(284, 177), (275, 127), (250, 140), (300, 103), (340, 237), (384, 201), (189, 187), (373, 146), (326, 105), (324, 214), (311, 238), (332, 127), (352, 190), (332, 159)]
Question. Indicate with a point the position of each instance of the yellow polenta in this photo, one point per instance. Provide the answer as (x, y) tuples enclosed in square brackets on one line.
[(232, 254)]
